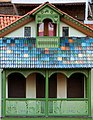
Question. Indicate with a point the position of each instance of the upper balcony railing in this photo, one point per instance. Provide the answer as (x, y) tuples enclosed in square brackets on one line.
[(51, 1)]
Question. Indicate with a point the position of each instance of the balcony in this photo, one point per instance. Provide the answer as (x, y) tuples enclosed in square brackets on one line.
[(41, 107), (47, 42)]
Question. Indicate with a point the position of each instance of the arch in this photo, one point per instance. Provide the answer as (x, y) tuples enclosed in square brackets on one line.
[(24, 73), (35, 72), (35, 85), (11, 72), (75, 85), (16, 85), (48, 17), (62, 72), (74, 72)]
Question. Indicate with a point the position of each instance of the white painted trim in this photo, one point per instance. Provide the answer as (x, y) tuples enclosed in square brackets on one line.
[(88, 21)]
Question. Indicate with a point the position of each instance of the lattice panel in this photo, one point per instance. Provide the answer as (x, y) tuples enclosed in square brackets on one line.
[(26, 108)]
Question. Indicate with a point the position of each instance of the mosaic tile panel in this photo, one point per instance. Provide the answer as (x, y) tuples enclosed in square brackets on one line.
[(22, 53)]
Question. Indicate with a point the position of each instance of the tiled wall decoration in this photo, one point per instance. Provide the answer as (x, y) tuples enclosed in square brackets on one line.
[(75, 52)]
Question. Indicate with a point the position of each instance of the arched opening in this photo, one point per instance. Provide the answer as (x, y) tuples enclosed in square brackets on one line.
[(40, 86), (57, 86), (16, 86), (35, 86), (47, 28), (75, 86), (53, 86)]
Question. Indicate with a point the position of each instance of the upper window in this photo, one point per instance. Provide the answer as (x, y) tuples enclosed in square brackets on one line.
[(65, 31), (27, 31), (47, 28)]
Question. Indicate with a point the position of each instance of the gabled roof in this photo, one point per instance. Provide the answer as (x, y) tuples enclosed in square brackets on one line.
[(30, 17)]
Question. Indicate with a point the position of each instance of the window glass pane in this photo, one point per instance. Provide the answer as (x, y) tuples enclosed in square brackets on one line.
[(27, 31), (65, 31), (51, 29), (41, 29)]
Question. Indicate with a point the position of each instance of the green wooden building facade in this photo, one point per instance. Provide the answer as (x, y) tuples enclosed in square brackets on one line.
[(46, 65)]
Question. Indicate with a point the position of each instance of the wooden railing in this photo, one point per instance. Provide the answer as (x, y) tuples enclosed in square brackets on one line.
[(47, 42), (38, 107)]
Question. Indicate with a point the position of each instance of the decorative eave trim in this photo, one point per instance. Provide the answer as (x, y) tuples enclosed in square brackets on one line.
[(77, 25), (49, 5), (15, 25)]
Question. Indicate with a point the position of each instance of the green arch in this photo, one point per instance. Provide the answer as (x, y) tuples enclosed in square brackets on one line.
[(11, 72), (62, 72), (82, 72), (48, 17), (24, 73), (68, 73), (35, 72)]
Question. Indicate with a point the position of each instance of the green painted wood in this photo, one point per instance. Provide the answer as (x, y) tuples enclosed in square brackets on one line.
[(69, 72), (1, 94), (4, 94), (25, 72), (56, 107), (25, 107), (89, 93), (46, 93), (49, 7), (47, 13), (47, 42), (69, 108), (47, 106)]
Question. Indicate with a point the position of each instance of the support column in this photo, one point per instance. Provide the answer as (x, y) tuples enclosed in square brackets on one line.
[(3, 94), (0, 93), (92, 92), (46, 93), (89, 94)]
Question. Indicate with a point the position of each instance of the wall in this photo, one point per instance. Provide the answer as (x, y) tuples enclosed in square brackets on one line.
[(72, 32), (61, 86), (20, 32), (31, 86)]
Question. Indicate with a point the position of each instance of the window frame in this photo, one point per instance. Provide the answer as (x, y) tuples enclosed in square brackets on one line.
[(67, 32), (25, 34)]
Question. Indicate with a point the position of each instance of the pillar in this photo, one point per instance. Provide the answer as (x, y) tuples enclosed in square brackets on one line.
[(0, 92)]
